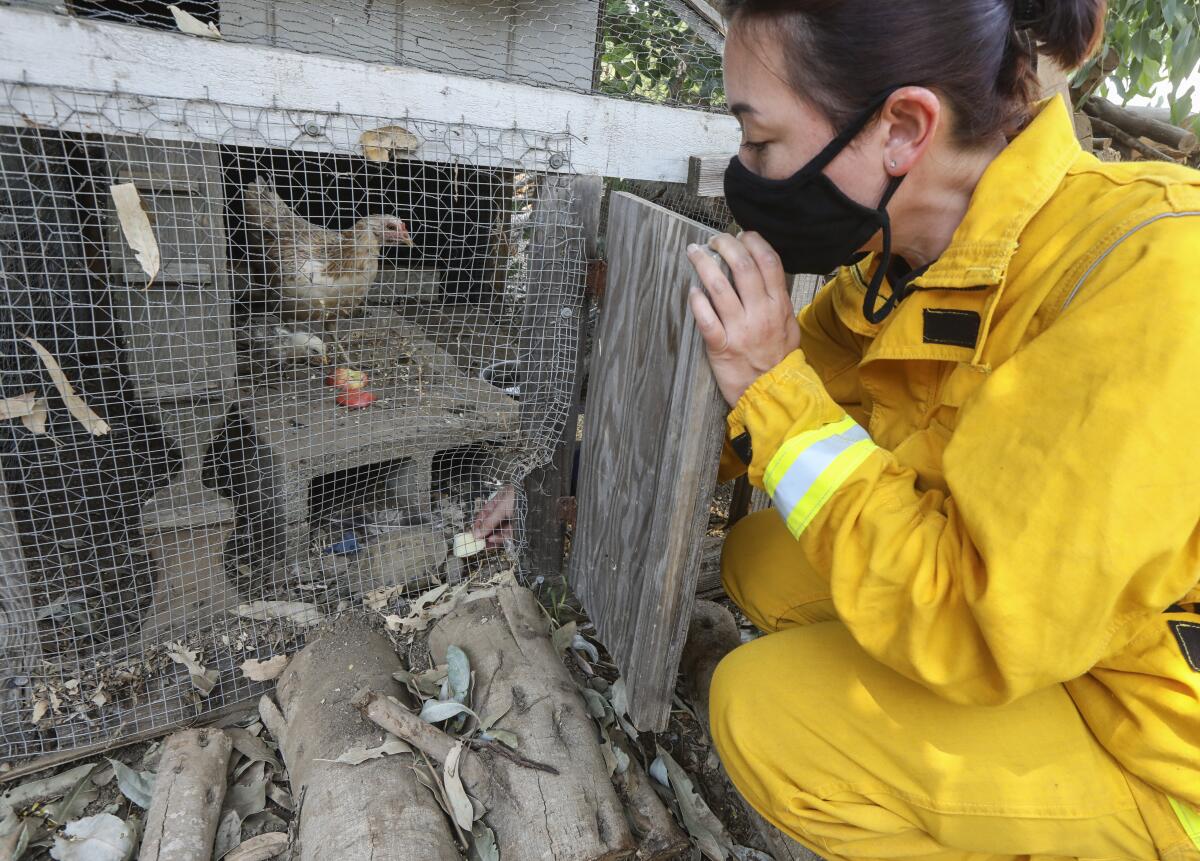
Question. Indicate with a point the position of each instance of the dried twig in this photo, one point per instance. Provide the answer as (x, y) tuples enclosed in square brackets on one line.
[(500, 748)]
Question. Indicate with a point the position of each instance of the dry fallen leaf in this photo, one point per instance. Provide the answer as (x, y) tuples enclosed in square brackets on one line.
[(708, 832), (293, 611), (377, 599), (136, 226), (40, 707), (203, 679), (193, 26), (562, 636), (378, 144), (84, 414), (260, 848), (358, 755), (35, 422), (460, 804), (264, 671), (18, 407)]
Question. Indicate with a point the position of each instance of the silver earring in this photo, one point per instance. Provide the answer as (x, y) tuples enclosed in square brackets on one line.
[(893, 163)]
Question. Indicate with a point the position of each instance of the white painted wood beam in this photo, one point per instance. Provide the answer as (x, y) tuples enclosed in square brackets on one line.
[(161, 72)]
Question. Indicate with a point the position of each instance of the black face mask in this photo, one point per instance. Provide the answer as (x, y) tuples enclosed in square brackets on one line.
[(812, 225)]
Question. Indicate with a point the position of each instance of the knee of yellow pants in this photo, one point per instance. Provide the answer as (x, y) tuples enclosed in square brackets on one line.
[(765, 573), (856, 761)]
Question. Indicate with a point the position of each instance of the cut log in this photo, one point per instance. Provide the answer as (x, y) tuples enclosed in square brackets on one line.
[(377, 809), (574, 815), (1123, 138), (712, 635), (186, 807), (1141, 126)]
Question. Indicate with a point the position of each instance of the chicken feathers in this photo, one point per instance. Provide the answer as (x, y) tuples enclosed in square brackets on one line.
[(321, 273)]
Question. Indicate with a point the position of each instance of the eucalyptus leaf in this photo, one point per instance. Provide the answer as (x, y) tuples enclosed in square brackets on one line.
[(247, 798), (562, 636), (745, 853), (229, 834), (359, 755), (460, 804), (483, 843), (579, 644), (436, 711), (698, 819), (598, 706), (458, 673), (137, 786), (252, 747)]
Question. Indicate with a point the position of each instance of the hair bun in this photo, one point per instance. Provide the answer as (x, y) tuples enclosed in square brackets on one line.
[(1066, 30)]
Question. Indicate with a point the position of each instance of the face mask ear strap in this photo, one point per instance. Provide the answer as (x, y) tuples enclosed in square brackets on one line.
[(899, 289), (822, 159)]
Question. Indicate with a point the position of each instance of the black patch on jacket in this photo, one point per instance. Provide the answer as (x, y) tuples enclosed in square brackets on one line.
[(945, 326), (741, 447), (1187, 634)]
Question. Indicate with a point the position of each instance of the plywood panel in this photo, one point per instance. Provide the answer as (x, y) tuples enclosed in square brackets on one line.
[(652, 438)]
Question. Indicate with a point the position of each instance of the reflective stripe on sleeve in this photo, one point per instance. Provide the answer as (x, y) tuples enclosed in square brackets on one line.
[(809, 467), (1189, 819)]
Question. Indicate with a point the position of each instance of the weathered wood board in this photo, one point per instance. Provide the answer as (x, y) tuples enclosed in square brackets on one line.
[(652, 438)]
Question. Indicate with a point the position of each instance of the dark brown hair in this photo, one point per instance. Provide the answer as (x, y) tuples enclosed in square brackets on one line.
[(975, 53)]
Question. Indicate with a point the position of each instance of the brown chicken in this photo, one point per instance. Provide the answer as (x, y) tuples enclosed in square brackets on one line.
[(322, 273)]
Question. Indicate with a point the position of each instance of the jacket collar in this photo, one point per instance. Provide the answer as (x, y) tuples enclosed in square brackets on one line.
[(1018, 183), (970, 272)]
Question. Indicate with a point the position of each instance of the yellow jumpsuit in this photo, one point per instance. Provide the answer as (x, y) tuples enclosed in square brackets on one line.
[(979, 578)]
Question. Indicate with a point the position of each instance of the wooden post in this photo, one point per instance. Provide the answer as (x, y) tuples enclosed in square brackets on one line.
[(547, 485)]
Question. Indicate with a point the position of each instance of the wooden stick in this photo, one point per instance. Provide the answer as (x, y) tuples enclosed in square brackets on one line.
[(1142, 126), (186, 807), (1127, 140)]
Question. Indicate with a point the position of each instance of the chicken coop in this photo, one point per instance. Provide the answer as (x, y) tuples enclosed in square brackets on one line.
[(291, 291)]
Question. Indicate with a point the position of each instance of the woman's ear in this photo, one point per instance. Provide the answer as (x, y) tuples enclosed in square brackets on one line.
[(909, 120)]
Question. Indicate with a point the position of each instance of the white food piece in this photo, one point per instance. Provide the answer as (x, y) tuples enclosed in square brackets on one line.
[(466, 544)]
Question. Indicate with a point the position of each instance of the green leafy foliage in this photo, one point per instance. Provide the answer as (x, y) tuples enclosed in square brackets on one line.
[(649, 53), (1153, 41)]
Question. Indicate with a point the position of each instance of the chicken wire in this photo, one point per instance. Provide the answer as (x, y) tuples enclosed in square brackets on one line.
[(653, 50), (215, 283)]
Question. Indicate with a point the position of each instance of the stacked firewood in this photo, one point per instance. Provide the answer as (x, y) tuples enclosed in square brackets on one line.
[(1116, 133)]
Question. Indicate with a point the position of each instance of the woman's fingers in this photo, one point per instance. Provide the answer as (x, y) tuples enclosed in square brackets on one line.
[(743, 266), (723, 297), (495, 513), (707, 321), (770, 268)]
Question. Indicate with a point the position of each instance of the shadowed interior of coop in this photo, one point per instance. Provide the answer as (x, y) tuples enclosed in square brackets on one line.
[(313, 369)]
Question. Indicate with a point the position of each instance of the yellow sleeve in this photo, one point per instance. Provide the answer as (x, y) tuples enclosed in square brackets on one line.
[(1072, 473), (831, 349)]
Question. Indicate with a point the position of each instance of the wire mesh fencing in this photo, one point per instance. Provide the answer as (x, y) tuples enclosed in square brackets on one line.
[(654, 50), (259, 367)]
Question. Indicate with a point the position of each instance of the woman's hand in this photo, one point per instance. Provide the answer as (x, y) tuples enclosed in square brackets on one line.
[(494, 521), (750, 329)]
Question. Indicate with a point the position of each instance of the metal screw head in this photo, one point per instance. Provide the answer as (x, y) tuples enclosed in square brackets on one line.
[(566, 312), (312, 129), (557, 160)]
